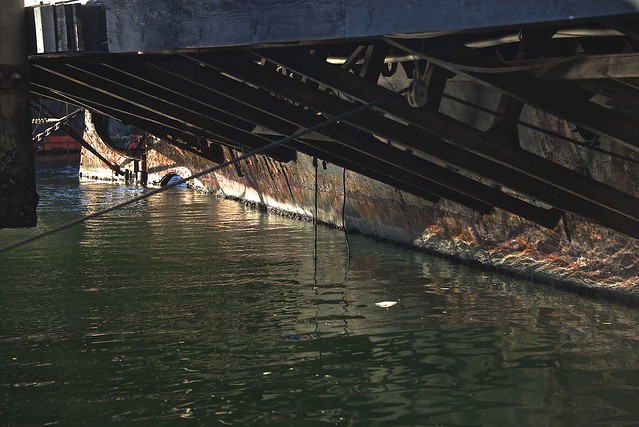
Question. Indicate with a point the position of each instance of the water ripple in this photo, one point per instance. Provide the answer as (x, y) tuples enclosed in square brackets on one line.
[(190, 309)]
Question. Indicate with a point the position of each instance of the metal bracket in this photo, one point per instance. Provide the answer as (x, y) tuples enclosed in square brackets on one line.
[(417, 94), (14, 77)]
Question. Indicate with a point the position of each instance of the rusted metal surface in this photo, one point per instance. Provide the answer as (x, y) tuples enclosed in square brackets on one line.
[(575, 253), (101, 162), (542, 179)]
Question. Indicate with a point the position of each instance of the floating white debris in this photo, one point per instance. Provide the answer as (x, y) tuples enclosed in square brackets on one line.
[(385, 304)]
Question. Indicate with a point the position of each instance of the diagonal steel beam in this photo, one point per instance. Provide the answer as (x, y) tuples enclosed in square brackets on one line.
[(201, 92), (185, 141), (422, 171), (51, 91), (518, 169), (124, 80), (145, 124), (306, 95), (379, 154), (173, 81), (308, 147), (234, 128), (133, 101), (569, 103)]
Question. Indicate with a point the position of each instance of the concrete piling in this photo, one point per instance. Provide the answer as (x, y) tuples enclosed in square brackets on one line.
[(18, 197)]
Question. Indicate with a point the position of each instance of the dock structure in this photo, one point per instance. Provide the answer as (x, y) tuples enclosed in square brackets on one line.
[(526, 108), (208, 73)]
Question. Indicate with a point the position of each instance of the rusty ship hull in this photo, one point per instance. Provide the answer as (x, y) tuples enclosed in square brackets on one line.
[(575, 253), (517, 149)]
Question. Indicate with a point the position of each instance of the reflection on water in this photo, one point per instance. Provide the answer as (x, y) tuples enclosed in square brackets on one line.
[(189, 310)]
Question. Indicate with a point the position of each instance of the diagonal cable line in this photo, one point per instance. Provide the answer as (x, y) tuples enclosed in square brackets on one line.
[(217, 167)]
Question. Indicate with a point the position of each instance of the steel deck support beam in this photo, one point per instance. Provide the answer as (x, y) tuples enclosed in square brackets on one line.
[(426, 173), (183, 140), (132, 101), (136, 100), (211, 101), (193, 143), (408, 174), (174, 82), (375, 157), (306, 95), (518, 169), (571, 104)]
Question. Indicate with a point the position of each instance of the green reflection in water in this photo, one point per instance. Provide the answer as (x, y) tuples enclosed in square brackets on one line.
[(190, 310)]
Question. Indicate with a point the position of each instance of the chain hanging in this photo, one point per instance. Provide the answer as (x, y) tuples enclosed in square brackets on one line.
[(56, 126)]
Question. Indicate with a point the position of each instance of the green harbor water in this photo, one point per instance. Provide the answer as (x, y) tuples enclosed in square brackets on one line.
[(188, 310)]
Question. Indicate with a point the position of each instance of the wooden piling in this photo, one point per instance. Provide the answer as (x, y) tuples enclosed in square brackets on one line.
[(18, 197)]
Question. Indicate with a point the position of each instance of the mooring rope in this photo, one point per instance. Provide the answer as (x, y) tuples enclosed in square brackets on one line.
[(212, 169), (315, 212), (348, 244)]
